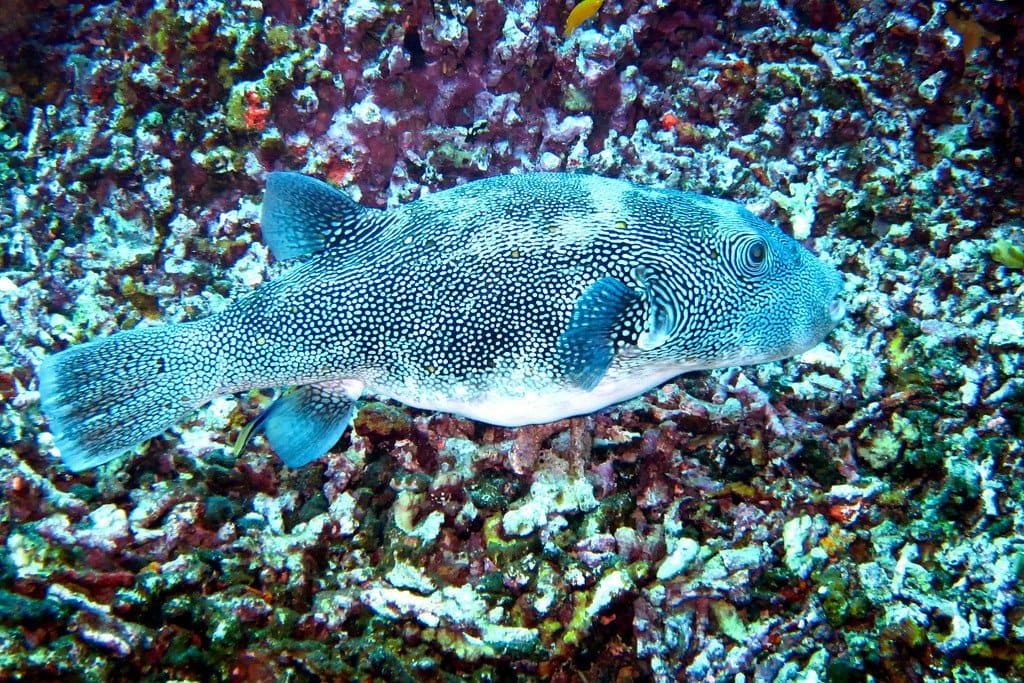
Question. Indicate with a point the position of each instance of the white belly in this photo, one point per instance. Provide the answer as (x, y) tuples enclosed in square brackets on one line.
[(508, 407)]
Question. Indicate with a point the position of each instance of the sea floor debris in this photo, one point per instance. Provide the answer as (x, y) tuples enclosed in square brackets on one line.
[(853, 514)]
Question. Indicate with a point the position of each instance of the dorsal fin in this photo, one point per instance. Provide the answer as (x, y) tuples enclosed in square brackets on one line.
[(302, 215)]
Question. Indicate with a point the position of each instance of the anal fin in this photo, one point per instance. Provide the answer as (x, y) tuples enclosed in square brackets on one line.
[(306, 421)]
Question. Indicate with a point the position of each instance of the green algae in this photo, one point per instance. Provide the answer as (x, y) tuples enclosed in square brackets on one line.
[(145, 303), (218, 510), (895, 637), (315, 505), (494, 491), (64, 659), (459, 156), (34, 556), (730, 621), (184, 653), (898, 352), (840, 599), (166, 29), (576, 100), (819, 462), (611, 512), (845, 670), (960, 491), (19, 609), (280, 39), (502, 551), (389, 665), (614, 586), (1008, 253)]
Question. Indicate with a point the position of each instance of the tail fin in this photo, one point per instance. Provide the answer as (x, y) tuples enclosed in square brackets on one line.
[(106, 396)]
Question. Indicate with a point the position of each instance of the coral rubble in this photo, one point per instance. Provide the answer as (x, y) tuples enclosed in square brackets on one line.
[(853, 514)]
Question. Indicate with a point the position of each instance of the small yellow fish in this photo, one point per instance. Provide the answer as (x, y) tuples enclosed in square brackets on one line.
[(580, 13)]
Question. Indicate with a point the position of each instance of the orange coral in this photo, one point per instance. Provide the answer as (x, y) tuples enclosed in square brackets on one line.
[(970, 31), (669, 120)]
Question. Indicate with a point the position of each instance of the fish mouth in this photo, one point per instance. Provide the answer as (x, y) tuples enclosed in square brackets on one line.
[(836, 311)]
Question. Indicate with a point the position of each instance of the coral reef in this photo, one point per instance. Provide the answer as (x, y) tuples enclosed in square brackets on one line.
[(852, 514)]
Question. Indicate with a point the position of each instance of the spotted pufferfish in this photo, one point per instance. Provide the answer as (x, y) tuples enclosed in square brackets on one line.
[(519, 299)]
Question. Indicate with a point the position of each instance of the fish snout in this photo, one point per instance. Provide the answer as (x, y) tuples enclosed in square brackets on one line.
[(836, 310)]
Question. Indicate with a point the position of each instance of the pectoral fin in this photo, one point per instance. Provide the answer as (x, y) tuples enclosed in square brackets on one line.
[(597, 327)]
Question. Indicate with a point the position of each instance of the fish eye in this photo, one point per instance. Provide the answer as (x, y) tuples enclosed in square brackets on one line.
[(749, 256), (756, 255), (757, 252)]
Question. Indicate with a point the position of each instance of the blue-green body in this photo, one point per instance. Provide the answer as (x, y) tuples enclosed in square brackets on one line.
[(514, 300)]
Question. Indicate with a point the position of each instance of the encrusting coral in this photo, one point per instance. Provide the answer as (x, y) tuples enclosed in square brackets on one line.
[(851, 513)]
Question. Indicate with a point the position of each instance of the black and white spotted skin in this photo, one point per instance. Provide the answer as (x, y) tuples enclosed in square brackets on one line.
[(514, 300)]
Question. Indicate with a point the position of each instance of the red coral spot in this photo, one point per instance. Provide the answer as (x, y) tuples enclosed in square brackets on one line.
[(255, 114)]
